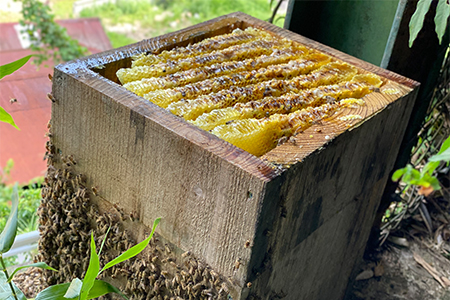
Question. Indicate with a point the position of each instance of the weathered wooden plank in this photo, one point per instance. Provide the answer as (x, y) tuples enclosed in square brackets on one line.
[(238, 213), (325, 209), (153, 171)]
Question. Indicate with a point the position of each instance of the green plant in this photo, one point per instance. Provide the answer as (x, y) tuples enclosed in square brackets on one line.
[(440, 19), (48, 39), (425, 178), (153, 18), (7, 70), (81, 289)]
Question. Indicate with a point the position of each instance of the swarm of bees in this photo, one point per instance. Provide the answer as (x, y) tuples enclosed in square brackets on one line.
[(231, 84), (67, 216)]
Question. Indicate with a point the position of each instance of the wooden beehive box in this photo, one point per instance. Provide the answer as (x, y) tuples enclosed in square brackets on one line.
[(290, 224)]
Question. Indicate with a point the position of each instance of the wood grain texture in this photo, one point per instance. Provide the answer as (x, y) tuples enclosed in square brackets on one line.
[(325, 209), (302, 145), (147, 168), (214, 197)]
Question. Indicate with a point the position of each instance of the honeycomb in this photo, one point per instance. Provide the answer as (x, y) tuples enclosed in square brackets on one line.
[(248, 87)]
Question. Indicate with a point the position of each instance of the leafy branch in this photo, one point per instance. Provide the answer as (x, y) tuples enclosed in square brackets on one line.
[(48, 39)]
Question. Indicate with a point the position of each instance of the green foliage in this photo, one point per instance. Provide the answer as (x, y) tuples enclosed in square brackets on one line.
[(440, 19), (57, 292), (133, 251), (9, 232), (91, 273), (5, 289), (74, 288), (40, 265), (153, 18), (47, 38), (29, 198), (425, 177), (10, 68), (7, 70), (88, 288), (6, 172), (119, 40), (6, 117)]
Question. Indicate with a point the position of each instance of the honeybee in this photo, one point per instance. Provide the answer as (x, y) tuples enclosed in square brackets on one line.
[(237, 264), (51, 98)]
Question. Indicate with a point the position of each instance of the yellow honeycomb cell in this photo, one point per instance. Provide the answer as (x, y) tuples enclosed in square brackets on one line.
[(248, 87)]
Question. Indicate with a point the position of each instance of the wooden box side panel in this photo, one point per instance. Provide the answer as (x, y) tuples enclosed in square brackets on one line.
[(115, 59), (207, 205), (326, 209)]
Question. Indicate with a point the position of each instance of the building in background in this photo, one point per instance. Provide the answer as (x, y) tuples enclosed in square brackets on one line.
[(30, 86)]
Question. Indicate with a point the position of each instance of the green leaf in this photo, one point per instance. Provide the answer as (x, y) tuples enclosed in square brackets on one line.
[(41, 265), (430, 167), (416, 22), (6, 117), (9, 232), (57, 292), (444, 156), (435, 183), (398, 174), (5, 289), (54, 292), (74, 289), (445, 145), (133, 251), (14, 66), (441, 18), (411, 175), (92, 271), (103, 242), (101, 288)]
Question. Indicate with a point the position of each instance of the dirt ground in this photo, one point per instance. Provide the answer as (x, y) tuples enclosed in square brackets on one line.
[(401, 277)]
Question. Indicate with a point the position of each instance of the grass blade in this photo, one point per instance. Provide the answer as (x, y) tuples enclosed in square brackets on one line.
[(9, 232), (101, 288), (133, 251), (54, 292), (14, 66), (5, 289), (443, 156), (41, 265), (92, 271), (6, 117), (103, 242)]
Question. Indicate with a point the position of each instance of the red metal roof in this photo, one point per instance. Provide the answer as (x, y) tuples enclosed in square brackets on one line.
[(30, 86)]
